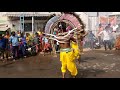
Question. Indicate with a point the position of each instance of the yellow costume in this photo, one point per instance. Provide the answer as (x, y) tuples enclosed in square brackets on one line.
[(39, 32), (76, 49), (67, 58), (27, 38)]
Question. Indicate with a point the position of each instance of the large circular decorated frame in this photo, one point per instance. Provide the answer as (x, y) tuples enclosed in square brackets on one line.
[(68, 18), (50, 24)]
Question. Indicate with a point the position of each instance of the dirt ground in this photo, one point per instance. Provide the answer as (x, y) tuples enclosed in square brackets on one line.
[(94, 64)]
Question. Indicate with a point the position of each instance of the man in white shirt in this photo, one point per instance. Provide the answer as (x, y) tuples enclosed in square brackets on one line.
[(106, 37)]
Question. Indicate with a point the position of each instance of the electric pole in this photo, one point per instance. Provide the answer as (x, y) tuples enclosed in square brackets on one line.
[(98, 18), (97, 14)]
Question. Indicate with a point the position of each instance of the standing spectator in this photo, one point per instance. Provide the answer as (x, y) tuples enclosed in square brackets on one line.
[(106, 38), (117, 43), (100, 28), (46, 44), (15, 45), (18, 33), (37, 42), (27, 37), (110, 30), (7, 51), (91, 38), (86, 42), (2, 45), (23, 45)]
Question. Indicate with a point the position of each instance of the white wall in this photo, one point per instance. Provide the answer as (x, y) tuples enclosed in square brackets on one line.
[(100, 13), (93, 24), (84, 18), (82, 15), (37, 23)]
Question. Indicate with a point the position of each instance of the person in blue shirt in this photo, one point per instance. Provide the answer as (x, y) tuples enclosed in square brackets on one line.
[(22, 45), (91, 38), (2, 45), (15, 45)]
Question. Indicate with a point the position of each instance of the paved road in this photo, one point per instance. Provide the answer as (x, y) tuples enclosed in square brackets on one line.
[(94, 64), (100, 64)]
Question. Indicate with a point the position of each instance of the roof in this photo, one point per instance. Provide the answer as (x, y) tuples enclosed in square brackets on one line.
[(30, 14), (81, 13), (27, 14), (115, 13)]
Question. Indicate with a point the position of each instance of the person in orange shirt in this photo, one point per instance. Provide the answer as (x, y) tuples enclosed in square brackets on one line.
[(117, 43)]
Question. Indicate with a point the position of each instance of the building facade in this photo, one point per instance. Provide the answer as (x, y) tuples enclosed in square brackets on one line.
[(115, 20), (34, 21), (92, 25)]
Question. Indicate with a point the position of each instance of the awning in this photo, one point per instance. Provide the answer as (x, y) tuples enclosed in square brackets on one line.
[(27, 14), (4, 28), (3, 20)]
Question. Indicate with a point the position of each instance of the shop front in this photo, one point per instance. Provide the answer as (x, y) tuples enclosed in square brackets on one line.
[(31, 23)]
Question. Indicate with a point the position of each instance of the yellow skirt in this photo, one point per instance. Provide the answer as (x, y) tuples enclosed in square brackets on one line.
[(68, 62)]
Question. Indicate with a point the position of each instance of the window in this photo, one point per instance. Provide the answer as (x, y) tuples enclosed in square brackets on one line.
[(28, 27)]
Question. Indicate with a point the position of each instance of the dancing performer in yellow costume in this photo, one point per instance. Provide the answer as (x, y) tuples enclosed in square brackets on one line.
[(70, 51), (67, 58), (67, 53)]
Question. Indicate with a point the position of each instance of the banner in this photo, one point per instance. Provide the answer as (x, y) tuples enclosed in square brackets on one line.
[(103, 20), (112, 20)]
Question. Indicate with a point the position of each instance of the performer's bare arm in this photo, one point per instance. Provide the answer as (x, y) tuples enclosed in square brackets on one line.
[(59, 40), (70, 32), (65, 40), (86, 33), (73, 39), (66, 37)]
